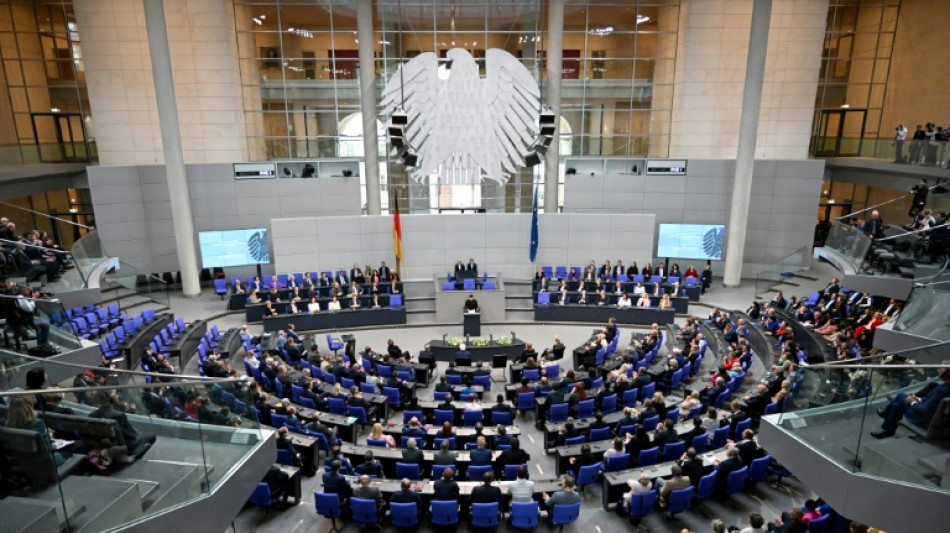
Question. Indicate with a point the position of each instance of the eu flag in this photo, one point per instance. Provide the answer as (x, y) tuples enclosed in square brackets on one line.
[(534, 227)]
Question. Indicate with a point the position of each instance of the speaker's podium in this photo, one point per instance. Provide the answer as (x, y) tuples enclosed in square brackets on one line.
[(472, 324)]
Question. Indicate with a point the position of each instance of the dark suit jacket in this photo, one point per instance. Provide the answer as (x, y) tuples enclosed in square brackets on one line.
[(405, 496), (412, 456), (486, 494), (480, 456), (725, 468), (370, 492), (693, 469), (370, 469), (748, 449), (128, 432), (445, 490), (512, 457), (336, 484), (922, 413)]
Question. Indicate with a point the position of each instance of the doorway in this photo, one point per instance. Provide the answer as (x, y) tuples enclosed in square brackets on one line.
[(840, 132), (828, 212), (60, 137)]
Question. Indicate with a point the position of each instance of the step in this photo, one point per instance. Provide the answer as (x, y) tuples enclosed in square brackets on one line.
[(28, 515), (107, 502), (174, 482)]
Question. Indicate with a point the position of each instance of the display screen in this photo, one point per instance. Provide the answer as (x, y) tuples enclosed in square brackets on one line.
[(233, 247), (691, 241)]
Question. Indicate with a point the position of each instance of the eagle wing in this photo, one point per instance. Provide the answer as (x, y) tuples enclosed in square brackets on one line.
[(418, 82), (512, 96)]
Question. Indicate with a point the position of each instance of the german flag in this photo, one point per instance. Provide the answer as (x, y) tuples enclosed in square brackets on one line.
[(397, 231)]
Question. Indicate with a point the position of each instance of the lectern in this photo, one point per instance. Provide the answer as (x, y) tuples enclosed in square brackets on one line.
[(472, 324)]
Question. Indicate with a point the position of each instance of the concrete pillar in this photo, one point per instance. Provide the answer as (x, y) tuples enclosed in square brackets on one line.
[(748, 129), (178, 195), (555, 47), (364, 31)]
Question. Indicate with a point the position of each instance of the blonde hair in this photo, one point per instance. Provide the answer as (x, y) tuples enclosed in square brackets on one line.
[(377, 431), (21, 411), (657, 397), (337, 388)]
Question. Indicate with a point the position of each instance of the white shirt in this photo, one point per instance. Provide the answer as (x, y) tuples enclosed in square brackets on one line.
[(643, 302), (900, 133), (639, 289), (315, 307), (334, 306), (624, 302)]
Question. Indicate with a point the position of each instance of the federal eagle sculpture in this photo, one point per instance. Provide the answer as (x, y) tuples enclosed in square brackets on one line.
[(489, 121)]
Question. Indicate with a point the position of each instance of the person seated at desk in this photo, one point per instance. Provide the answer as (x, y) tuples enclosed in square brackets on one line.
[(354, 302), (624, 301), (394, 284), (335, 483), (472, 404), (644, 300), (724, 468), (528, 353), (468, 389), (367, 491), (511, 456), (415, 429), (256, 284), (696, 431), (412, 454), (665, 302), (920, 408), (334, 305), (487, 493), (471, 304), (554, 352), (407, 495), (444, 456), (294, 352), (314, 306), (568, 432), (253, 298), (563, 298), (370, 465), (443, 385), (481, 455), (376, 433), (566, 496), (237, 287), (446, 489), (665, 434), (502, 407), (666, 486), (602, 298)]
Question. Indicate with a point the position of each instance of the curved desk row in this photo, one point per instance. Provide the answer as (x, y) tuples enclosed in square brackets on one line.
[(643, 316), (330, 320), (237, 301), (441, 351)]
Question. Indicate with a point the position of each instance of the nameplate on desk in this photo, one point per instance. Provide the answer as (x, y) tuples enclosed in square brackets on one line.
[(240, 437)]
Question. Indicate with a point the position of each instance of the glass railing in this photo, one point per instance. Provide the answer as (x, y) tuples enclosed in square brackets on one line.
[(145, 453), (850, 243), (37, 325), (788, 266), (926, 312), (39, 154), (919, 153), (87, 254), (141, 283), (834, 409)]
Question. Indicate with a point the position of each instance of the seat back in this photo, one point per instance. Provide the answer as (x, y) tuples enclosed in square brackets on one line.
[(393, 396), (707, 484), (759, 469), (524, 515), (650, 424), (328, 505), (476, 472), (679, 500), (468, 284), (736, 480), (437, 443), (503, 418), (597, 434), (618, 462), (580, 439), (525, 400), (609, 404), (544, 298), (700, 443), (408, 470), (673, 450), (819, 525), (511, 471), (630, 398), (444, 415), (585, 408), (565, 514), (720, 436), (395, 301), (485, 514), (359, 413), (404, 514), (649, 456), (740, 427), (437, 471), (363, 510), (531, 374), (558, 413), (589, 474), (552, 371), (261, 495), (472, 417), (445, 513), (642, 503)]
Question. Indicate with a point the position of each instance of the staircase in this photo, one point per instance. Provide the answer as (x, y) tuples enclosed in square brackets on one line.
[(519, 300)]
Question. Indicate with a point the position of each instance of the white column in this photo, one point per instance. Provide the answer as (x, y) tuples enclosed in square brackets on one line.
[(178, 195), (555, 46), (748, 129), (364, 30)]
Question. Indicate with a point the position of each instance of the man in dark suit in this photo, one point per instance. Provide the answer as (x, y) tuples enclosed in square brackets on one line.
[(738, 415), (459, 268), (368, 491), (407, 495), (480, 455), (412, 454), (665, 434), (724, 468), (512, 456), (384, 272), (610, 330), (370, 466), (335, 483), (748, 449), (919, 409), (108, 408), (341, 278), (486, 493), (692, 466), (446, 488), (471, 267), (293, 350), (356, 274), (697, 430)]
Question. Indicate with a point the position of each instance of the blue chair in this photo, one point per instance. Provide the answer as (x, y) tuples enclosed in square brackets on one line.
[(618, 462), (476, 472), (359, 413), (437, 443), (585, 408), (488, 285), (448, 285), (552, 371), (501, 417), (524, 515), (384, 371), (485, 514), (328, 506), (511, 471), (759, 469), (277, 420), (700, 443), (544, 298), (707, 486), (531, 374), (558, 413), (445, 513), (472, 417), (334, 344), (285, 457), (648, 457), (720, 436), (441, 396), (364, 511), (673, 450), (395, 301), (408, 470), (525, 401), (409, 414), (404, 514), (609, 404), (740, 428), (771, 408), (392, 395), (220, 287), (679, 501), (367, 388), (438, 469), (819, 525), (262, 496), (444, 415), (588, 474), (337, 406), (565, 514), (597, 434), (380, 443), (641, 504), (650, 424), (630, 398), (484, 380), (736, 480)]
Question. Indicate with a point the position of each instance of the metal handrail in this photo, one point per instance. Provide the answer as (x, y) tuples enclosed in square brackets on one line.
[(46, 215), (30, 359), (26, 244), (929, 189), (153, 385), (912, 232)]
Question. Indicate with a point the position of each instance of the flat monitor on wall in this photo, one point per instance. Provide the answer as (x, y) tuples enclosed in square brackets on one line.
[(691, 241), (233, 247)]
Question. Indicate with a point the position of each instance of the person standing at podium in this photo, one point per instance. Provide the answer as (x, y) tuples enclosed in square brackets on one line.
[(471, 304)]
